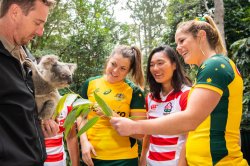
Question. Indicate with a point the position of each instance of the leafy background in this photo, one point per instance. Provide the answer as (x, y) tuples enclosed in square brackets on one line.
[(85, 31)]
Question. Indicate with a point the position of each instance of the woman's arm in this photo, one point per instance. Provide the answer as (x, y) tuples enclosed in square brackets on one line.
[(86, 146), (138, 116), (73, 148), (182, 160), (145, 146), (200, 105)]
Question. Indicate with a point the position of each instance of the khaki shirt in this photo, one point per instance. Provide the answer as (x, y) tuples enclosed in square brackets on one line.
[(16, 51)]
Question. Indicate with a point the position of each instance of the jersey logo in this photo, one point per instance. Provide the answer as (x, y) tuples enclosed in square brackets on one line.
[(153, 107), (107, 91), (119, 96), (168, 108)]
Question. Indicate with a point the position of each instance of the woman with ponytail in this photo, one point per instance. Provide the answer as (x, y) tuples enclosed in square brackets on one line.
[(213, 113), (102, 145)]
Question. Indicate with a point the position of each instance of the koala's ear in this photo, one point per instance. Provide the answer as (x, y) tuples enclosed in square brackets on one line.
[(72, 67), (48, 60)]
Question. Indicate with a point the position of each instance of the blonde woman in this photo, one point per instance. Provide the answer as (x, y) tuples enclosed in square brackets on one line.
[(213, 114)]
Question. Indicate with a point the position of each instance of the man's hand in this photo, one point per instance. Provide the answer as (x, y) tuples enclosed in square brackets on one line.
[(50, 128)]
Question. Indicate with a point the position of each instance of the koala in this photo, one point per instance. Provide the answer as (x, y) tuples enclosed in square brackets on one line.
[(48, 76)]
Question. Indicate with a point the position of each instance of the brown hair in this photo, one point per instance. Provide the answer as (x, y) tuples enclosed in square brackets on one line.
[(213, 35), (135, 57), (26, 5)]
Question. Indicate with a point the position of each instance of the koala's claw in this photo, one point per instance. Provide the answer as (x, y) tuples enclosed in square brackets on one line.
[(28, 62)]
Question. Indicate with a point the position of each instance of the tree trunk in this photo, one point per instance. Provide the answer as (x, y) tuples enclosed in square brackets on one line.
[(219, 17)]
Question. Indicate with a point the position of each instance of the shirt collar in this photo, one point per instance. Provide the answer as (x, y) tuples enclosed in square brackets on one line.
[(15, 50)]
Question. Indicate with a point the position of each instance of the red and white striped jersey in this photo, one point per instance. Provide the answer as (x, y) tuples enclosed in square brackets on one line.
[(164, 150), (56, 155)]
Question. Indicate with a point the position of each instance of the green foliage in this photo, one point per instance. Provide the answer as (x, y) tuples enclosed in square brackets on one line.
[(81, 107), (236, 22), (178, 11), (149, 18), (79, 32), (240, 51), (56, 31), (91, 40)]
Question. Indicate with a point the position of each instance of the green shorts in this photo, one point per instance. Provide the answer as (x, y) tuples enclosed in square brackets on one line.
[(123, 162)]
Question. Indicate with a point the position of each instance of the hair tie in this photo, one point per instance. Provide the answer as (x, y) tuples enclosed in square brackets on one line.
[(200, 19)]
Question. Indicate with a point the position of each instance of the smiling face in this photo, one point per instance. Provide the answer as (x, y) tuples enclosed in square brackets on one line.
[(187, 46), (31, 25), (117, 68), (161, 68)]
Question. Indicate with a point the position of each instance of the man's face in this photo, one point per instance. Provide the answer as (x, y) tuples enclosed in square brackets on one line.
[(31, 25)]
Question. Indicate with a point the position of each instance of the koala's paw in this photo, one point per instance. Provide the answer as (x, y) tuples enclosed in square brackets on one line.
[(47, 110), (29, 63)]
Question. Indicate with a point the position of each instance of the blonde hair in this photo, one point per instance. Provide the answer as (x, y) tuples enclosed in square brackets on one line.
[(134, 54), (214, 37)]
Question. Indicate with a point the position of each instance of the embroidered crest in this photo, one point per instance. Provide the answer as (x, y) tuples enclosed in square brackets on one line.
[(107, 91), (119, 96), (168, 108)]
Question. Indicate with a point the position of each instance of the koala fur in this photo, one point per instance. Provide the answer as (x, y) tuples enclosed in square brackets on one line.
[(48, 76)]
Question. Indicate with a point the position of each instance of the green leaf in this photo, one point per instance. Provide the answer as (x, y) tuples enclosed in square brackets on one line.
[(73, 115), (83, 110), (69, 122), (88, 125), (69, 97), (105, 108), (81, 102)]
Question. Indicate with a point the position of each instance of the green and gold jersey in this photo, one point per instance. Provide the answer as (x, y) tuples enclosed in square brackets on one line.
[(123, 98), (216, 140)]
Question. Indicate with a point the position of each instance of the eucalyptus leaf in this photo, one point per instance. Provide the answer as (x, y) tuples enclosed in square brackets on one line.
[(69, 98), (83, 110), (69, 122), (105, 108), (88, 125), (81, 101)]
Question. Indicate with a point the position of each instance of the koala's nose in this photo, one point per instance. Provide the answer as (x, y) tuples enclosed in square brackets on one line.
[(70, 80)]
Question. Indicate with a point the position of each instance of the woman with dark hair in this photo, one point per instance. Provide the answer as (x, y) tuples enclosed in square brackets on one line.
[(169, 87)]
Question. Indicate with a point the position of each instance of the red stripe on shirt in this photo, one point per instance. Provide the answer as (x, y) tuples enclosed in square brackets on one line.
[(152, 117), (163, 141), (53, 142), (164, 156), (173, 95), (183, 100), (54, 157), (146, 102)]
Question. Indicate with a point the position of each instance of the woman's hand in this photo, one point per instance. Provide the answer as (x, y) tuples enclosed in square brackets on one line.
[(98, 110), (143, 161), (87, 149), (124, 126)]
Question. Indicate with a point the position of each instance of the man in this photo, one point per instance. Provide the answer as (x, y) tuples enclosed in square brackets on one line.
[(21, 138)]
